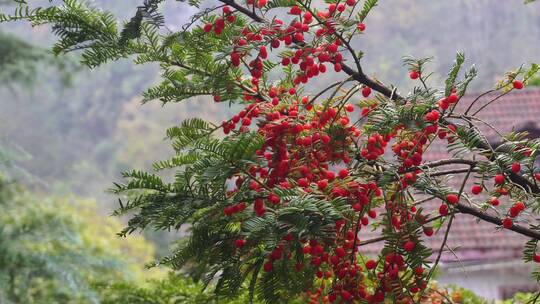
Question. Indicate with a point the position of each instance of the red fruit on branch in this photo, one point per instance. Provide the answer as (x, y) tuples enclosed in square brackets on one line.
[(268, 266), (452, 98), (340, 252), (322, 184), (371, 264), (428, 231), (499, 179), (494, 201), (366, 91), (513, 211), (432, 116), (274, 198), (516, 167), (443, 209), (443, 104), (452, 199), (207, 27), (343, 173), (361, 27), (240, 243), (414, 75), (536, 258), (295, 10), (507, 223), (409, 246), (518, 85), (345, 295), (476, 189)]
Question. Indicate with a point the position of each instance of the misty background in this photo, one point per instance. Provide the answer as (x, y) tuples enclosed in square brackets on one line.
[(69, 130)]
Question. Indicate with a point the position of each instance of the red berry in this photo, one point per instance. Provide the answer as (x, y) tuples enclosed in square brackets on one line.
[(340, 252), (414, 75), (452, 98), (263, 53), (537, 176), (519, 206), (513, 211), (443, 209), (409, 246), (518, 85), (536, 258), (343, 173), (240, 243), (361, 27), (452, 199), (207, 27), (428, 231), (322, 184), (507, 223), (494, 201), (443, 104), (476, 189), (432, 116), (295, 10), (268, 266), (499, 179), (366, 91), (332, 48), (371, 264), (273, 198), (516, 167), (330, 175)]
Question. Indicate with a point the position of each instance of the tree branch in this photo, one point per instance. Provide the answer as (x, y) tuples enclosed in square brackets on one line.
[(356, 75), (497, 221), (244, 10)]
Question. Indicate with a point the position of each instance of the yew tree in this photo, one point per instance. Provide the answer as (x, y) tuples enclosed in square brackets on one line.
[(278, 197)]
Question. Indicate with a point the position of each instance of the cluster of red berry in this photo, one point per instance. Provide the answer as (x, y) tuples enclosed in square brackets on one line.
[(306, 143)]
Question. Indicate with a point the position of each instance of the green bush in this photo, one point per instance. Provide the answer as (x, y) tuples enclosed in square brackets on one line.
[(54, 250)]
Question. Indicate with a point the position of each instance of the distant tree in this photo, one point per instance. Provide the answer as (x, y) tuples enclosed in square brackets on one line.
[(56, 250), (277, 202)]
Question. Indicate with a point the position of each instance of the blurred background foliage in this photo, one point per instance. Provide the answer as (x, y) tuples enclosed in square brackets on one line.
[(59, 247), (66, 133)]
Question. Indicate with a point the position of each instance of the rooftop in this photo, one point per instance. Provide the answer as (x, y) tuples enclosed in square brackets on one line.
[(471, 239)]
